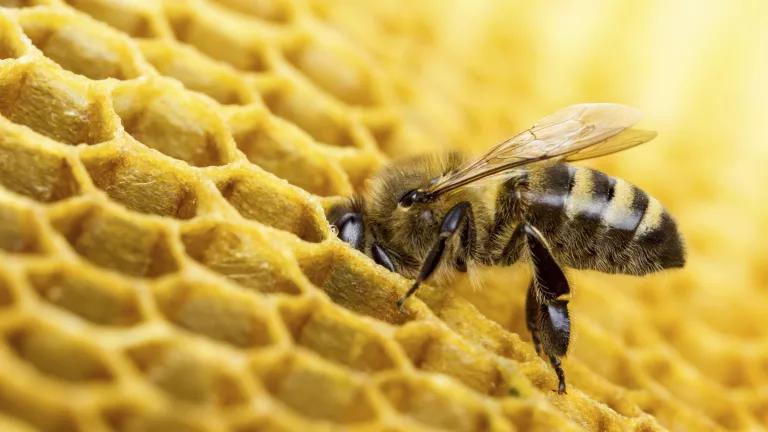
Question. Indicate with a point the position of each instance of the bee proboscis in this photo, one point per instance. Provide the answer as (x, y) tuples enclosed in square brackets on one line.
[(521, 199)]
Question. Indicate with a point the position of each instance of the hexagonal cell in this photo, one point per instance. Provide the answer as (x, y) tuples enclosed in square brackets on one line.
[(22, 3), (314, 388), (260, 197), (220, 35), (197, 72), (276, 146), (240, 255), (94, 296), (434, 404), (31, 169), (142, 183), (27, 404), (312, 114), (126, 418), (68, 110), (388, 134), (114, 241), (19, 229), (337, 336), (180, 124), (351, 282), (82, 46), (57, 354), (11, 45), (277, 420), (217, 312), (359, 165), (133, 18), (434, 349), (182, 374), (527, 415), (279, 11), (7, 297), (335, 69)]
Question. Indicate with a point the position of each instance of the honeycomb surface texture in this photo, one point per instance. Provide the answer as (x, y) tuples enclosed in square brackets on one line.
[(166, 265)]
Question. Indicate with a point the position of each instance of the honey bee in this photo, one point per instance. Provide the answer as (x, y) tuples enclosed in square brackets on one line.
[(429, 216)]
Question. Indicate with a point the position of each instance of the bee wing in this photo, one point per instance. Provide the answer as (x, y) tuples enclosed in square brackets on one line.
[(574, 133)]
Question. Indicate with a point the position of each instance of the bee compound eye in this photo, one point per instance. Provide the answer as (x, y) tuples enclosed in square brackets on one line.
[(408, 198)]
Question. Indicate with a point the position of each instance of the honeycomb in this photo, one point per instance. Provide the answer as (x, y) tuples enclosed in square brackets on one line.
[(167, 264)]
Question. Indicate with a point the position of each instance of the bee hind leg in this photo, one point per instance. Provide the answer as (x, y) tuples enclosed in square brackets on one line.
[(546, 303), (531, 316)]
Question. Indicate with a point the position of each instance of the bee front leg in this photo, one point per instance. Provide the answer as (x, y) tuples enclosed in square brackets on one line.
[(452, 221), (546, 303)]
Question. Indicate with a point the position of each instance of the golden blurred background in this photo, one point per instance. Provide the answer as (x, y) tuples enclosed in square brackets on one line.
[(472, 73)]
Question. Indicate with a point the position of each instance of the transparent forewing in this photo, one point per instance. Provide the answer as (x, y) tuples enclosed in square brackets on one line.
[(574, 133), (625, 139)]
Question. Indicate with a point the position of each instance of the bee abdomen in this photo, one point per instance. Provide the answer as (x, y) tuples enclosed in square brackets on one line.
[(599, 222)]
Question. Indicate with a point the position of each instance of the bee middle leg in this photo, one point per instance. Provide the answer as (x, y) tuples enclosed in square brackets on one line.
[(450, 225), (546, 307)]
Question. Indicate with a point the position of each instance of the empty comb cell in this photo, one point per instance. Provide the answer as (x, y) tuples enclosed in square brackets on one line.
[(279, 148), (243, 256), (58, 355), (94, 296), (198, 72), (7, 296), (82, 46), (216, 312), (312, 114), (132, 179), (278, 11), (432, 349), (355, 343), (179, 124), (31, 169), (344, 280), (19, 228), (259, 197), (63, 108), (139, 19), (429, 403), (335, 69), (297, 380), (114, 241), (126, 418), (33, 411), (205, 28), (184, 375), (23, 3), (11, 43)]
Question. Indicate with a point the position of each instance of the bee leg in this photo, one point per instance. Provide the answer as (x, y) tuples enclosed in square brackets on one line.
[(555, 362), (552, 323), (452, 221), (531, 316)]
